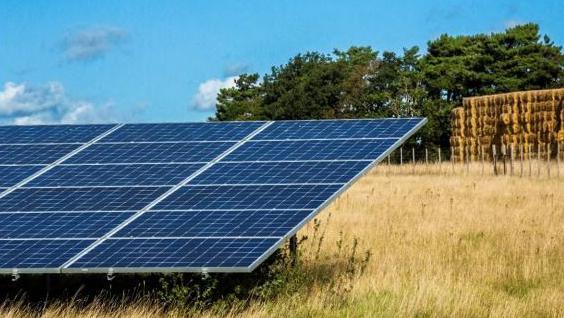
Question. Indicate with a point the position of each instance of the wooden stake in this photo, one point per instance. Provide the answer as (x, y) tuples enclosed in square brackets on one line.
[(482, 157), (426, 157), (494, 159), (530, 161), (452, 158), (558, 159), (538, 159), (440, 163), (467, 160), (503, 153), (521, 159), (548, 159), (511, 158), (401, 156), (413, 158)]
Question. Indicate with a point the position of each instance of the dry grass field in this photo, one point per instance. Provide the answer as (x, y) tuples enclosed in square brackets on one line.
[(411, 242)]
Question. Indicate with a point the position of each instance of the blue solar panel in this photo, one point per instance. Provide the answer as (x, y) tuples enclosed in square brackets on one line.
[(362, 149), (115, 175), (169, 253), (151, 152), (248, 197), (11, 175), (334, 129), (33, 154), (56, 225), (39, 253), (281, 172), (51, 134), (79, 199), (214, 223), (233, 211), (183, 132)]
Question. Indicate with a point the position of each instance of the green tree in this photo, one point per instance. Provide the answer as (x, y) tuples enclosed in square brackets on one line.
[(358, 83), (242, 102)]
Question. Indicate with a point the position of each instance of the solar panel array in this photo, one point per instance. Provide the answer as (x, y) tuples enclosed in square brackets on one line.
[(174, 197)]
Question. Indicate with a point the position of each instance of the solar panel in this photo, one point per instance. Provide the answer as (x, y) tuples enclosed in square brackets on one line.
[(223, 254), (42, 256), (33, 154), (301, 150), (11, 175), (227, 131), (50, 134), (79, 199), (56, 225), (115, 175), (214, 223), (174, 197), (151, 152), (280, 172)]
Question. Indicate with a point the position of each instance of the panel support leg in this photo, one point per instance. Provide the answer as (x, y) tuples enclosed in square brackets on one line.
[(293, 244)]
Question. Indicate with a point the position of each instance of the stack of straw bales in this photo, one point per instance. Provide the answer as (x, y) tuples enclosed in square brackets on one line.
[(527, 119)]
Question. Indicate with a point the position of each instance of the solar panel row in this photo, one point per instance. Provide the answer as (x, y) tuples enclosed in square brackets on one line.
[(174, 197)]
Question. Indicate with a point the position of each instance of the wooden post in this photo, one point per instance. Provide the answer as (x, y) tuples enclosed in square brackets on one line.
[(548, 159), (467, 157), (483, 155), (426, 157), (538, 159), (413, 158), (511, 158), (530, 163), (503, 153), (452, 158), (401, 156), (558, 159), (440, 161), (293, 245), (494, 159), (521, 159), (388, 160)]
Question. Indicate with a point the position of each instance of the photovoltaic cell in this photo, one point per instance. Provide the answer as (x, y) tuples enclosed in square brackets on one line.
[(51, 134), (248, 197), (115, 175), (211, 223), (183, 132), (34, 154), (281, 172), (79, 199), (39, 253), (151, 152), (57, 225), (334, 129), (362, 149), (167, 253), (11, 175)]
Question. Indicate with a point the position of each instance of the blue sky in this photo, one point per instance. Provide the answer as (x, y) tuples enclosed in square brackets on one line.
[(162, 61)]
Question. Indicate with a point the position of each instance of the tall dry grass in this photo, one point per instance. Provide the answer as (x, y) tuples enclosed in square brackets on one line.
[(405, 242)]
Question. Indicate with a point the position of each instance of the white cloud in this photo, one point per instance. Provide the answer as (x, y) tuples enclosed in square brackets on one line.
[(24, 104), (206, 98), (92, 43)]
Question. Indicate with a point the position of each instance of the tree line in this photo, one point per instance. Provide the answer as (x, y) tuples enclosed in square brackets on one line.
[(363, 83)]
